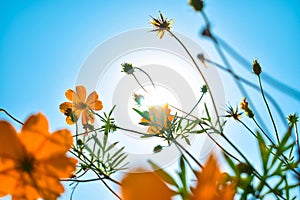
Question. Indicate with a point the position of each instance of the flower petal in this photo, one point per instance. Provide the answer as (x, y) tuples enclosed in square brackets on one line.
[(10, 145), (8, 181), (81, 92), (93, 102), (72, 96), (56, 144), (59, 166), (146, 186), (92, 98), (34, 132), (65, 106)]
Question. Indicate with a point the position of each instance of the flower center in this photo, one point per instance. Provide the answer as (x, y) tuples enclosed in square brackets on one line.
[(82, 105), (27, 164)]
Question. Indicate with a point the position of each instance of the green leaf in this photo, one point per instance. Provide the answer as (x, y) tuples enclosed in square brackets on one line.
[(263, 152), (231, 164), (163, 174), (144, 114)]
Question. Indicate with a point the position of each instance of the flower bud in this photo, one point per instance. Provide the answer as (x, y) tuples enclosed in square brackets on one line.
[(256, 68), (197, 5), (127, 68)]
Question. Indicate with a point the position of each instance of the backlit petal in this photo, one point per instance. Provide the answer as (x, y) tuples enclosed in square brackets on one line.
[(81, 92), (146, 186), (92, 98), (10, 146), (72, 96), (34, 132), (57, 144)]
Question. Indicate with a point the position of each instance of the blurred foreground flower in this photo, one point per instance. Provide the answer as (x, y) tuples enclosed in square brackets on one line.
[(80, 104), (146, 186), (161, 24), (211, 183), (159, 118), (32, 162)]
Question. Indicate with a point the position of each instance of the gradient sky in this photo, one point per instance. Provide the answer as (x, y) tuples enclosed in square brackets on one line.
[(43, 44)]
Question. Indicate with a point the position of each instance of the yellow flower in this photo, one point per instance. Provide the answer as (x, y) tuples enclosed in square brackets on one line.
[(33, 161), (159, 118), (161, 24), (211, 184), (244, 106), (144, 186), (80, 105)]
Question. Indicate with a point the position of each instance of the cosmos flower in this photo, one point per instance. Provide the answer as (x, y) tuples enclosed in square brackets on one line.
[(146, 186), (33, 161), (211, 183), (234, 113), (161, 24), (80, 105), (159, 118)]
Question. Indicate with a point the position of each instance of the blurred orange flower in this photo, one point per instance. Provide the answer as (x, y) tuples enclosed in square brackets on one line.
[(32, 162), (159, 118), (80, 104), (211, 183), (146, 186)]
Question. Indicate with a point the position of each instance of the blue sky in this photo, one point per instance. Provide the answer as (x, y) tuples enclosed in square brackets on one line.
[(43, 44)]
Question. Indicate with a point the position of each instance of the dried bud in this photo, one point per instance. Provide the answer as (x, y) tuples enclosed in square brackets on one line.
[(204, 89), (202, 58), (157, 149), (138, 99), (292, 119), (256, 68), (197, 5), (127, 68)]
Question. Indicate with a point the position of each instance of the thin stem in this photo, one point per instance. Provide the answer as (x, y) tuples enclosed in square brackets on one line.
[(218, 144), (277, 85), (146, 75), (297, 136), (139, 83), (204, 79), (269, 110), (80, 180), (237, 82), (248, 162), (12, 117), (247, 128), (176, 143), (188, 153), (195, 106), (254, 86), (182, 111), (260, 128)]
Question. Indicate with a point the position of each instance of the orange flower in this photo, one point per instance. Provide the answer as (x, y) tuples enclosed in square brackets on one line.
[(211, 183), (32, 162), (159, 118), (146, 186), (80, 104)]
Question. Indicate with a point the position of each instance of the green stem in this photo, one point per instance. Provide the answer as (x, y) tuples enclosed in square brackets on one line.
[(188, 114), (146, 75), (260, 128), (247, 128), (254, 170), (269, 110), (139, 83), (203, 77)]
